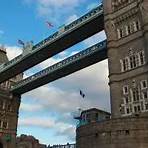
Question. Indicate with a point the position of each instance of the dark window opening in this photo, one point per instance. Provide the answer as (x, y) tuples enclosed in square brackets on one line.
[(127, 132)]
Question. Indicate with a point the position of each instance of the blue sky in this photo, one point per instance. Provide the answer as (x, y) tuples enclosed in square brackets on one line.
[(47, 112)]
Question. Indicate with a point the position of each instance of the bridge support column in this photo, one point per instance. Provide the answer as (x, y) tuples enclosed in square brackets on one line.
[(9, 107)]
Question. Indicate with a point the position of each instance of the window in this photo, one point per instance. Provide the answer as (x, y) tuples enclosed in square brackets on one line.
[(125, 90), (5, 124), (127, 110), (133, 61), (137, 60), (142, 106), (124, 64), (135, 95), (127, 30), (138, 26), (119, 33), (135, 26), (137, 108), (143, 84), (126, 100), (142, 58), (145, 95), (127, 132), (146, 106)]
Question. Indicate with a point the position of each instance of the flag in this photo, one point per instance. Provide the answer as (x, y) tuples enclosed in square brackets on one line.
[(21, 42), (82, 94), (49, 24)]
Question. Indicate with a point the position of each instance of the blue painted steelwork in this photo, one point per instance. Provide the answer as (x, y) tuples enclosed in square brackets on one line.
[(85, 53)]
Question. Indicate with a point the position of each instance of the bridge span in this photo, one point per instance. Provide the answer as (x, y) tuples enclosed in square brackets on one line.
[(67, 66), (64, 38)]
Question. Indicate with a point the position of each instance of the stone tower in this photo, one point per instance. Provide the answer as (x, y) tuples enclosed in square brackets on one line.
[(126, 26), (9, 106)]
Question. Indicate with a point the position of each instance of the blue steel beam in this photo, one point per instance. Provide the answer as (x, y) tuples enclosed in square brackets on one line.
[(70, 65), (67, 36)]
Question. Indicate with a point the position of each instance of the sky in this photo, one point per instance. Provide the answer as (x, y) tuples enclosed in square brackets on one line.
[(47, 112)]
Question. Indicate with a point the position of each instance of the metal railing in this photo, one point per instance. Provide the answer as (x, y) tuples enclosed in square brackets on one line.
[(64, 146), (63, 63)]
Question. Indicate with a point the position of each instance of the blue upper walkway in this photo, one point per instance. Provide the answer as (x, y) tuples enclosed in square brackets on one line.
[(82, 28)]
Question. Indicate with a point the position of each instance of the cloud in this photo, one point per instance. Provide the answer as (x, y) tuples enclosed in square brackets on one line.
[(58, 3), (61, 128), (30, 108), (68, 132), (95, 39), (40, 122), (66, 90), (56, 11), (49, 62), (71, 18), (13, 51), (62, 98), (92, 5)]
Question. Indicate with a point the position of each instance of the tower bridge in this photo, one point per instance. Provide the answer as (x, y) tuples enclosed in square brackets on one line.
[(126, 26), (64, 38)]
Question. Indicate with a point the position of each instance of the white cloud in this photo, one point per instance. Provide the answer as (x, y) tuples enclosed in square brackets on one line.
[(62, 97), (71, 18), (41, 122), (58, 3), (49, 62), (56, 11), (31, 108), (63, 54), (95, 39), (13, 51), (66, 90), (61, 128), (92, 5)]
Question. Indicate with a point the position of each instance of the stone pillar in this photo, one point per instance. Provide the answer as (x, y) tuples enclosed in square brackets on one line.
[(9, 106)]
